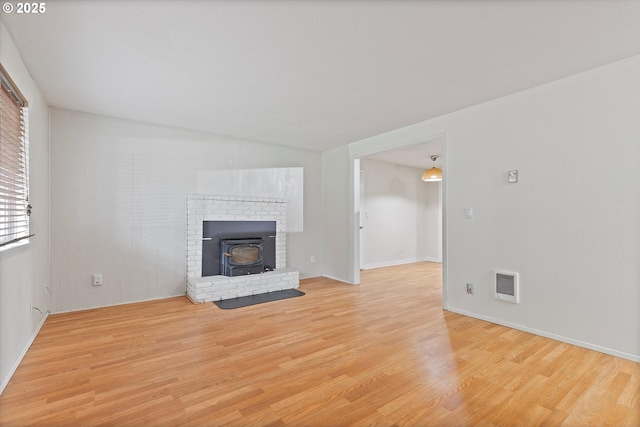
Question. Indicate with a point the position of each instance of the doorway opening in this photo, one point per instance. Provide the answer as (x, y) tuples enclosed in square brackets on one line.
[(399, 219)]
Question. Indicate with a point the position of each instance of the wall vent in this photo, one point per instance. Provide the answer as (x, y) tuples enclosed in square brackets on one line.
[(507, 286)]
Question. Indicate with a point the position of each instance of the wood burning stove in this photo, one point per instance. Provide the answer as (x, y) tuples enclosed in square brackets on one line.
[(241, 256), (251, 246)]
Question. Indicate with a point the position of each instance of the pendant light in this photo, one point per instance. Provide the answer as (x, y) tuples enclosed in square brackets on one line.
[(434, 174)]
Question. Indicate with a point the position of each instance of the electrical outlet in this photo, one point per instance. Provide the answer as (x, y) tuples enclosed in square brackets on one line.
[(97, 279), (470, 288), (313, 258)]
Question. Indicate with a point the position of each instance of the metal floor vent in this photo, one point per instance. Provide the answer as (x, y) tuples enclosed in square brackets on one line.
[(507, 286)]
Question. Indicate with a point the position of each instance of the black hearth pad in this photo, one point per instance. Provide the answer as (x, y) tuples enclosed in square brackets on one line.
[(228, 304)]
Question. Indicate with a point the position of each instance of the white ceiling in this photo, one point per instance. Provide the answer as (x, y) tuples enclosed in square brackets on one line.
[(416, 155), (311, 74)]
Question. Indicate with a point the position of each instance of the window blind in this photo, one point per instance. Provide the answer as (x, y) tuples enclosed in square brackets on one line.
[(14, 161)]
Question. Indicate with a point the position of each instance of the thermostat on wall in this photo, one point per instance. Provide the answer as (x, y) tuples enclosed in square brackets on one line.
[(507, 286)]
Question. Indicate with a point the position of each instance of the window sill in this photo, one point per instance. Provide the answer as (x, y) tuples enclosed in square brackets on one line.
[(16, 245)]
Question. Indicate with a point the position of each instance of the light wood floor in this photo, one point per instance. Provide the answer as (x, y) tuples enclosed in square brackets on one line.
[(380, 354)]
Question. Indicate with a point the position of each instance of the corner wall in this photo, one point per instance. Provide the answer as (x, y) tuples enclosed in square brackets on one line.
[(336, 214), (570, 226), (24, 270)]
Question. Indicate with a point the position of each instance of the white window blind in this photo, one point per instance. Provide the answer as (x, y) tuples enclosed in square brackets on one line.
[(14, 163)]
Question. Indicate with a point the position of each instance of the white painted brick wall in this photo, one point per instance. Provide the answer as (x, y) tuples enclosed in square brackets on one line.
[(201, 207), (216, 288)]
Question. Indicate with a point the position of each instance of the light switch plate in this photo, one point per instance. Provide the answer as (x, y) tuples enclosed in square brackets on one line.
[(513, 176)]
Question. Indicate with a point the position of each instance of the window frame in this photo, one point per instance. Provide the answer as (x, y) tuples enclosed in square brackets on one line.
[(14, 174)]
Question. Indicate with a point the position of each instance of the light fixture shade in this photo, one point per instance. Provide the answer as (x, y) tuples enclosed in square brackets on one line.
[(432, 175)]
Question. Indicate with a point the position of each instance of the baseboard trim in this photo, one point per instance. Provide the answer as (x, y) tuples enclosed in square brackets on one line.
[(584, 344), (15, 365), (117, 304), (338, 279)]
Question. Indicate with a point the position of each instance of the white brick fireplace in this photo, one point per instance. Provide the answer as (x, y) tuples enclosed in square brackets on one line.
[(226, 208)]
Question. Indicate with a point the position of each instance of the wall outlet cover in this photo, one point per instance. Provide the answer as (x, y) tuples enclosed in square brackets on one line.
[(97, 279), (470, 288)]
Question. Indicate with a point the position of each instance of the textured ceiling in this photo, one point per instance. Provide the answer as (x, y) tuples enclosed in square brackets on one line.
[(310, 74)]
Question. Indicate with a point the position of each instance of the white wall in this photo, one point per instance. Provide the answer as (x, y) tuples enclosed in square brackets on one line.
[(24, 271), (401, 215), (118, 205), (570, 226), (430, 221), (336, 215)]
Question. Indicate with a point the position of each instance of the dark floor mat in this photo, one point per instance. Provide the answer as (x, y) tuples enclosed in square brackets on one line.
[(228, 304)]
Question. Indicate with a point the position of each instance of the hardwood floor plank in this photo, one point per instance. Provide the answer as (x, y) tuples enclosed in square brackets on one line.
[(383, 353)]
